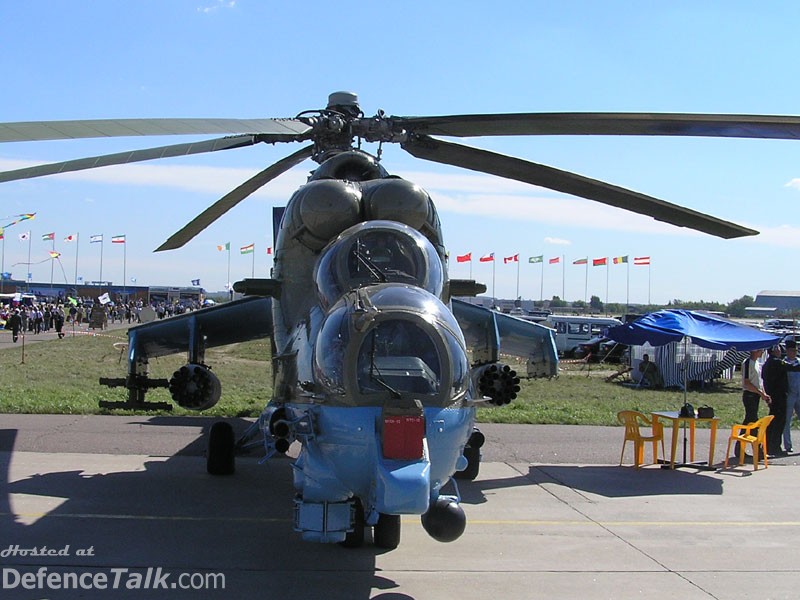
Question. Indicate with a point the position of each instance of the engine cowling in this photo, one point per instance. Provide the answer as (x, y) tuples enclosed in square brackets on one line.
[(195, 387)]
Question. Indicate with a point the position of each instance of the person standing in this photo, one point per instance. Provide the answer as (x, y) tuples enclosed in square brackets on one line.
[(752, 386), (793, 395), (14, 323), (774, 375)]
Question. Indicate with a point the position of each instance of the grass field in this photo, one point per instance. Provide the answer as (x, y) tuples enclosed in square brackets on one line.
[(61, 376)]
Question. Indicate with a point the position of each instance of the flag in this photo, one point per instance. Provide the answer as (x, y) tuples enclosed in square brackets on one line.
[(487, 258), (195, 282), (24, 237), (509, 259), (536, 259), (581, 261), (599, 262), (72, 301), (464, 257), (73, 237), (2, 234), (641, 260), (227, 246), (618, 260), (269, 249), (248, 249), (555, 260), (104, 298), (117, 239), (95, 238), (54, 254), (48, 236)]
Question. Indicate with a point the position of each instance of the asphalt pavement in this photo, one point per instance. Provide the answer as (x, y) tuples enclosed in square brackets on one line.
[(126, 501)]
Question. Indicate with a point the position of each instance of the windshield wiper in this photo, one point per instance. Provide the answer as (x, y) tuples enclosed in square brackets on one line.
[(373, 368), (374, 269)]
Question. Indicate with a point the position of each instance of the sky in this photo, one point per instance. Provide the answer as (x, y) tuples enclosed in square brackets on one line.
[(256, 59)]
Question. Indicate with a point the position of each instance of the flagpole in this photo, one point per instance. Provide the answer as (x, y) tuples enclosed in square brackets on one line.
[(563, 277), (30, 236), (77, 243), (541, 282), (649, 266), (124, 266), (606, 285), (3, 264), (228, 282), (518, 277), (494, 297), (586, 282), (101, 263), (253, 271), (627, 286), (470, 265), (52, 266)]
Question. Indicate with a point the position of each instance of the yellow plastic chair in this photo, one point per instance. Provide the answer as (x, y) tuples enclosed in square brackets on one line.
[(754, 434), (633, 421)]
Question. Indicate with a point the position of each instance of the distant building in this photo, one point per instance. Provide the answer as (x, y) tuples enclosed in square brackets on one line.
[(772, 302)]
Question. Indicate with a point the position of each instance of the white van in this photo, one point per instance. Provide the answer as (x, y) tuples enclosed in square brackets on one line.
[(572, 330)]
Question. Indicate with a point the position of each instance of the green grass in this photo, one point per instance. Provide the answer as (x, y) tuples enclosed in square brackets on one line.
[(61, 376)]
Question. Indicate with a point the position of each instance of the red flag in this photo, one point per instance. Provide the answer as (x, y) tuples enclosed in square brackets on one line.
[(487, 258), (269, 250), (464, 257), (641, 260), (509, 259), (555, 260), (599, 262)]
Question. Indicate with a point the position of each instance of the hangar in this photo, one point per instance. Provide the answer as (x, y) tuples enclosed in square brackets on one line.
[(778, 303)]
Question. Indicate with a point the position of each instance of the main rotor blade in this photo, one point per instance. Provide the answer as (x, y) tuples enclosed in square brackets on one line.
[(122, 158), (570, 183), (274, 130), (232, 198), (677, 124)]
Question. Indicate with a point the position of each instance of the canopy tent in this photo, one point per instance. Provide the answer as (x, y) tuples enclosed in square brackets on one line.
[(709, 331)]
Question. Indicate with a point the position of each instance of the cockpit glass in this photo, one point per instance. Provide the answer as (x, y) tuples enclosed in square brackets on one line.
[(399, 356), (374, 253)]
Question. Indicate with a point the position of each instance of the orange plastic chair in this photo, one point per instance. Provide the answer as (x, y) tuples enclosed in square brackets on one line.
[(754, 434), (633, 420)]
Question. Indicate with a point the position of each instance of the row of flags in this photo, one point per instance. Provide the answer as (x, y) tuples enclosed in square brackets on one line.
[(596, 262), (73, 237), (249, 249)]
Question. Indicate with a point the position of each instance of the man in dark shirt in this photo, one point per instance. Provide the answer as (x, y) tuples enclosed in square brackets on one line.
[(776, 384)]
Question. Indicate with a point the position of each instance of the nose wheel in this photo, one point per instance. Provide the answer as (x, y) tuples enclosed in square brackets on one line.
[(220, 454), (472, 452)]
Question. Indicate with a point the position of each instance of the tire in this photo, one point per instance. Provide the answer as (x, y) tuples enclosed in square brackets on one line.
[(355, 538), (220, 457), (473, 456), (386, 532)]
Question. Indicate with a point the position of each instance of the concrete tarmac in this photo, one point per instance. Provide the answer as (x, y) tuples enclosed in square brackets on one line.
[(551, 515)]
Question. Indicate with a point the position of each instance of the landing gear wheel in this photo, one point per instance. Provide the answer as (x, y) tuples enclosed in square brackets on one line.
[(220, 456), (355, 538), (386, 532), (473, 456)]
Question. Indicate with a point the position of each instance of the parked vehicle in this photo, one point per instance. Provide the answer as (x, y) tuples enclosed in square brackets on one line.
[(571, 331), (601, 349)]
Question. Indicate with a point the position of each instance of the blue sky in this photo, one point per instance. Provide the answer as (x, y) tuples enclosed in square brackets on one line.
[(249, 59)]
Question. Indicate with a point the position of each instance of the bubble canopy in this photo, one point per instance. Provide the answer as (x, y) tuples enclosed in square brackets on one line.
[(377, 252), (411, 347)]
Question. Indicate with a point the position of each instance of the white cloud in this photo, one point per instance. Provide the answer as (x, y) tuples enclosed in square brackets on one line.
[(557, 241), (219, 4)]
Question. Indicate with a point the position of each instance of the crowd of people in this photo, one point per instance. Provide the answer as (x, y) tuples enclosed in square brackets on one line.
[(42, 317), (777, 382)]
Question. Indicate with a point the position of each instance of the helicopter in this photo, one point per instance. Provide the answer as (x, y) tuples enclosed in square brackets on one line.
[(378, 364)]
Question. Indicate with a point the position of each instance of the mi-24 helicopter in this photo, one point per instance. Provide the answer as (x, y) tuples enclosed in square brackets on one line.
[(377, 367)]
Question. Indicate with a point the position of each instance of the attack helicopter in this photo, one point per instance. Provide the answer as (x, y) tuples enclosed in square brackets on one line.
[(377, 365)]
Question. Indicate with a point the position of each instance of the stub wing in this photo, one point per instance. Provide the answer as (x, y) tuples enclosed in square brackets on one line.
[(489, 334)]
